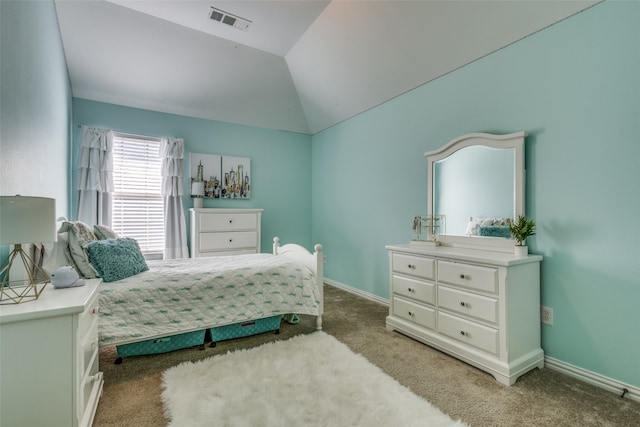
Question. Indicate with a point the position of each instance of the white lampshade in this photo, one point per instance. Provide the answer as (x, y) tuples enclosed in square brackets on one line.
[(197, 189), (27, 220)]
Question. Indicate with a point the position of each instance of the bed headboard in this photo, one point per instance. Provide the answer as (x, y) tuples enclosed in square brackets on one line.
[(314, 261)]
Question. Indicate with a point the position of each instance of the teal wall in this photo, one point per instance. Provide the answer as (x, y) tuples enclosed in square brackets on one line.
[(35, 105), (35, 101), (575, 88), (280, 162)]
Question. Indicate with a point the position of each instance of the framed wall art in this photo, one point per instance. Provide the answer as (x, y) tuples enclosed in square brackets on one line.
[(205, 168), (220, 177), (236, 177)]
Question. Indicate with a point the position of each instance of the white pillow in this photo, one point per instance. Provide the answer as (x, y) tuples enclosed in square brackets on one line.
[(55, 254), (472, 226), (102, 232), (80, 235), (487, 222)]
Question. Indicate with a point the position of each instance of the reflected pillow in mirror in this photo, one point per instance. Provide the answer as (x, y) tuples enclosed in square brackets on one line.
[(494, 231), (475, 225)]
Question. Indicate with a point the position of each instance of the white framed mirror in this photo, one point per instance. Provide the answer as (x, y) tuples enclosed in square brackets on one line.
[(477, 182)]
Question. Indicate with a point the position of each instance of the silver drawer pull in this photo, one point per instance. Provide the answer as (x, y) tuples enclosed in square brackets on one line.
[(411, 266)]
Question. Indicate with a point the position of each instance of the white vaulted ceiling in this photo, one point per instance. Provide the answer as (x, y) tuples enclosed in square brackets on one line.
[(302, 66)]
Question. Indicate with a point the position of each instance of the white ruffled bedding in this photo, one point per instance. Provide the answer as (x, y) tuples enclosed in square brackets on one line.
[(177, 296)]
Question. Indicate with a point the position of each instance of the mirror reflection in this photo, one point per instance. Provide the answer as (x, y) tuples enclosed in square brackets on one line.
[(476, 182), (474, 188)]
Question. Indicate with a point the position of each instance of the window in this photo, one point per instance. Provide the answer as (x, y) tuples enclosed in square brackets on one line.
[(137, 207)]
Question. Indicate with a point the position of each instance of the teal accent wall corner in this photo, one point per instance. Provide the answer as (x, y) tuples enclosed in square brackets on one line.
[(574, 88), (280, 162), (35, 102)]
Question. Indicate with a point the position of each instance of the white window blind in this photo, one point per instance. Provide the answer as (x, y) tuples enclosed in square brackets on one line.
[(137, 201)]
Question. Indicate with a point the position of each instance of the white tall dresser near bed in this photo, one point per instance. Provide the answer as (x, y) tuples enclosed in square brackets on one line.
[(219, 231), (49, 372)]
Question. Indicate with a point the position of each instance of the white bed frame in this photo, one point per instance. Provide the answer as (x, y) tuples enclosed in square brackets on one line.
[(315, 261)]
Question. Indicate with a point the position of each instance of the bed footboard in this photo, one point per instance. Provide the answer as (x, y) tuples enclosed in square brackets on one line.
[(315, 261)]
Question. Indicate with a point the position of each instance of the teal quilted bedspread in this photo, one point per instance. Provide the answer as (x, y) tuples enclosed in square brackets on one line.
[(176, 296)]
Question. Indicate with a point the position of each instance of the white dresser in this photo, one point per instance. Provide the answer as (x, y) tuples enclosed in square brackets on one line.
[(479, 306), (49, 373), (224, 231)]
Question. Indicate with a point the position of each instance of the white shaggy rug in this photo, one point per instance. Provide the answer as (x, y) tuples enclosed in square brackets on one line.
[(309, 380)]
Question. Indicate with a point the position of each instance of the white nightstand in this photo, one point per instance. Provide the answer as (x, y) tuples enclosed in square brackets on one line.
[(49, 373), (224, 231)]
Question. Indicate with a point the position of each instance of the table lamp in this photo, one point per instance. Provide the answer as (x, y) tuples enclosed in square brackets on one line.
[(24, 220), (197, 193)]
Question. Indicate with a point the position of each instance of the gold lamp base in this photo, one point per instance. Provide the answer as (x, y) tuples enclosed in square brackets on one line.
[(19, 291)]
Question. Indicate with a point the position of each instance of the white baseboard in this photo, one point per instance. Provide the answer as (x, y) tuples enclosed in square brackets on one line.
[(606, 383), (356, 291), (609, 384)]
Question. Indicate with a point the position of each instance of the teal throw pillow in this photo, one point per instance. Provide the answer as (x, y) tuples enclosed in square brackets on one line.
[(116, 259), (494, 231)]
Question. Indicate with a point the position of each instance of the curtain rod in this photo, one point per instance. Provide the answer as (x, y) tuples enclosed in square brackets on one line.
[(131, 135)]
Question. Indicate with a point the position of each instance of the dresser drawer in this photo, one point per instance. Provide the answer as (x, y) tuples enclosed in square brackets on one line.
[(478, 306), (228, 240), (89, 390), (228, 221), (423, 316), (413, 288), (87, 318), (414, 265), (88, 348), (468, 332), (467, 275)]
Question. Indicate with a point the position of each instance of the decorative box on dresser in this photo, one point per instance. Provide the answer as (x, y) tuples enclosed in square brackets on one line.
[(49, 370), (479, 306), (224, 231)]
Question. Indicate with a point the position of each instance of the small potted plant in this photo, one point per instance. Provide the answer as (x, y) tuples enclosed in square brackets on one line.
[(520, 230)]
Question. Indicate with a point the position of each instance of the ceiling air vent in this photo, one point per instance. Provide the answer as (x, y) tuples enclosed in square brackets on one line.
[(229, 19)]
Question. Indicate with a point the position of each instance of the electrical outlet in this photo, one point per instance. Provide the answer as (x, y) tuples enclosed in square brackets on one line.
[(546, 315)]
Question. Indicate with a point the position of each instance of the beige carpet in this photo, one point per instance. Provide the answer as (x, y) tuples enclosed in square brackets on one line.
[(540, 398)]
